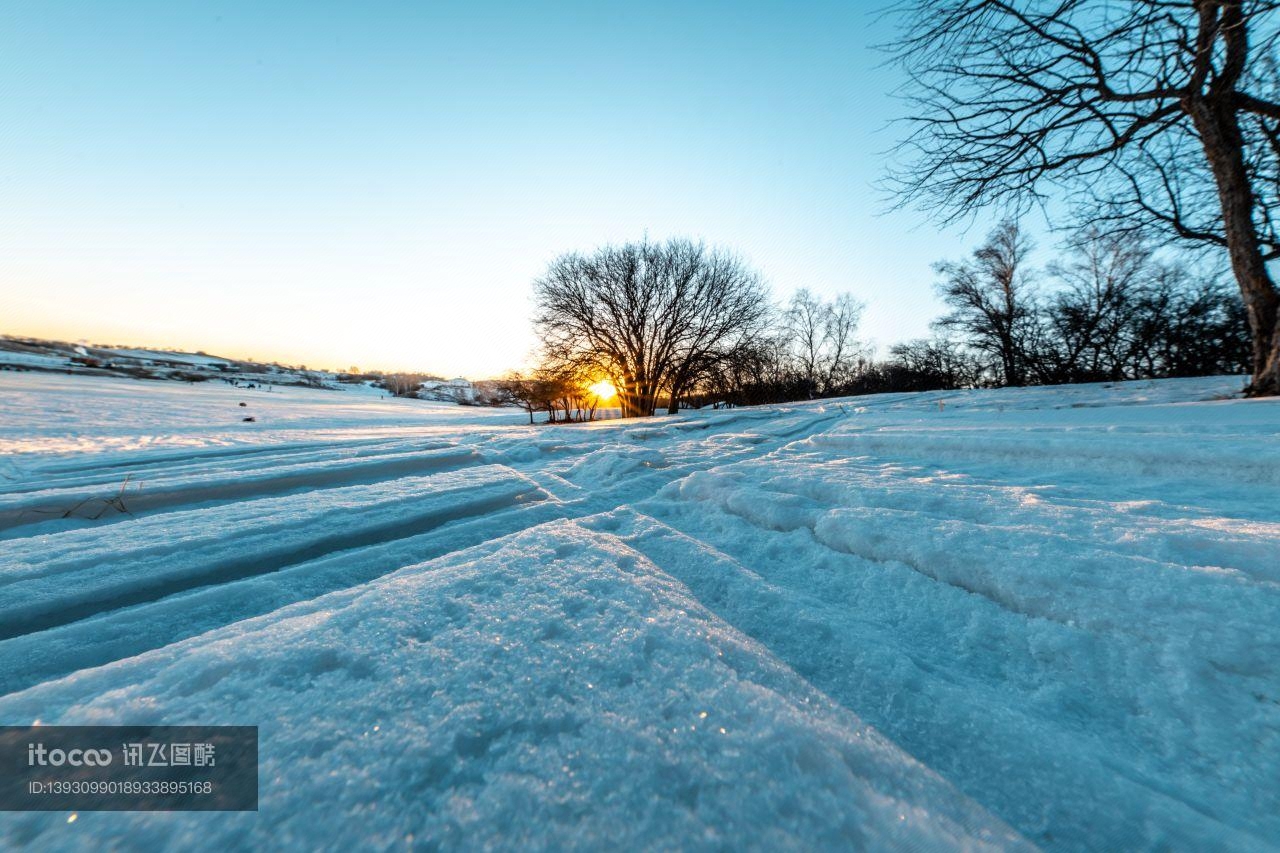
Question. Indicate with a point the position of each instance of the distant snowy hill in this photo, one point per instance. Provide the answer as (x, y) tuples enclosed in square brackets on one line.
[(1014, 619), (86, 360)]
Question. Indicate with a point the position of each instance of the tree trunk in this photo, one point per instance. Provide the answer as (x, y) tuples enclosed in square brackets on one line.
[(1009, 362), (645, 401), (1219, 129), (674, 407)]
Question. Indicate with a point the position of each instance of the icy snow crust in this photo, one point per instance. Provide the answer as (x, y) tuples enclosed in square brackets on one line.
[(1006, 619)]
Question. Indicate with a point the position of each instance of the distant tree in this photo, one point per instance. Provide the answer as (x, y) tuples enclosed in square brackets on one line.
[(1184, 326), (754, 372), (530, 393), (990, 302), (1093, 316), (406, 384), (650, 317), (930, 364), (806, 324), (1144, 112), (402, 384), (563, 394), (823, 342), (566, 386), (492, 392)]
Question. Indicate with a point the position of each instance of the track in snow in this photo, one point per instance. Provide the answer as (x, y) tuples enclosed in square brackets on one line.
[(102, 590)]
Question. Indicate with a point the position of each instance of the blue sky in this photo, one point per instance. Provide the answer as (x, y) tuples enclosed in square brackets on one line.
[(377, 184)]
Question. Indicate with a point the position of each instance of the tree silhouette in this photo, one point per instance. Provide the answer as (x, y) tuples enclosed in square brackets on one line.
[(647, 316)]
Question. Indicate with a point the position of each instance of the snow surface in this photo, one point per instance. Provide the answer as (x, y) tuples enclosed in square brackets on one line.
[(999, 619)]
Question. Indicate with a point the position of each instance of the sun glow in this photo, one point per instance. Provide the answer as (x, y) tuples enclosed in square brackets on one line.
[(603, 389)]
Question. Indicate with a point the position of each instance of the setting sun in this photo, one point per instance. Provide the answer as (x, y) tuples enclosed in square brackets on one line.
[(603, 389)]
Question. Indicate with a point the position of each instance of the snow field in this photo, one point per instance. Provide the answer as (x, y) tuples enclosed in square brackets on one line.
[(934, 621)]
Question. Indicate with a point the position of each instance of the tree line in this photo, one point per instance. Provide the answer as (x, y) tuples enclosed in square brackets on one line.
[(1109, 310), (680, 324)]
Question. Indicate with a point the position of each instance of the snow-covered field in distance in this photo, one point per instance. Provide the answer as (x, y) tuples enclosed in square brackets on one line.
[(84, 359), (1029, 617)]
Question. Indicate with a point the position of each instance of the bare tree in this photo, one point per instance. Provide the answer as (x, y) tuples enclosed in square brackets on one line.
[(990, 303), (1147, 111), (806, 323), (405, 384), (822, 336), (1186, 325), (932, 364), (530, 393), (647, 316), (567, 388), (726, 306), (1093, 317)]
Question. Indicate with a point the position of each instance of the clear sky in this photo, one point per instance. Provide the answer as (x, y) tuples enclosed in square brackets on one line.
[(376, 184)]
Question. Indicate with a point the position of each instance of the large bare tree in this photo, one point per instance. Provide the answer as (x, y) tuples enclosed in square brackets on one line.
[(1147, 112), (649, 316)]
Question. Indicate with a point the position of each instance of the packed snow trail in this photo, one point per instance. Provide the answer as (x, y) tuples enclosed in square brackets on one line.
[(1058, 606)]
